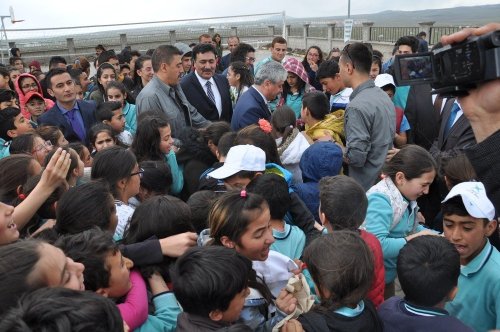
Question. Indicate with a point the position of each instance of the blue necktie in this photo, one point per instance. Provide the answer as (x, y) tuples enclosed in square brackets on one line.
[(210, 93), (451, 119), (76, 125)]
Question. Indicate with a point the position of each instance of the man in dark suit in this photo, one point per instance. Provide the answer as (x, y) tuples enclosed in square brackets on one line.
[(73, 117), (232, 43), (252, 105), (207, 91)]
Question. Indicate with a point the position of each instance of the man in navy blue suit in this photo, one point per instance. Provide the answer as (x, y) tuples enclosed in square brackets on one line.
[(73, 117), (207, 91), (252, 105)]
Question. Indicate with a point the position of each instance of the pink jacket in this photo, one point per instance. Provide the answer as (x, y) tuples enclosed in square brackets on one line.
[(22, 97)]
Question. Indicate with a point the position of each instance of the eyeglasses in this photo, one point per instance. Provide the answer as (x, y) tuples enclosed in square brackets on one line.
[(345, 52), (47, 145), (250, 59), (29, 86), (140, 173)]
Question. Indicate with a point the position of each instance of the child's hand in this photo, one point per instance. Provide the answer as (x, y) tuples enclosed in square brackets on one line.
[(176, 245), (292, 325), (56, 170), (286, 302), (391, 153)]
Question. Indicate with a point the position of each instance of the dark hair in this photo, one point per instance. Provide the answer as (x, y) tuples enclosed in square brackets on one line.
[(359, 55), (157, 177), (422, 34), (343, 201), (287, 88), (50, 133), (105, 110), (163, 54), (73, 158), (100, 47), (121, 87), (274, 189), (245, 72), (18, 262), (99, 128), (203, 48), (240, 52), (459, 169), (320, 59), (204, 35), (78, 147), (408, 41), (317, 104), (342, 264), (99, 73), (215, 131), (91, 248), (112, 165), (7, 119), (5, 73), (53, 72), (283, 121), (428, 269), (412, 161), (200, 204), (55, 60), (227, 271), (63, 310), (455, 206), (327, 69), (139, 62), (377, 60), (83, 207), (7, 95), (254, 135), (226, 142), (105, 56), (278, 40), (160, 216), (146, 144), (13, 59), (14, 172), (23, 143)]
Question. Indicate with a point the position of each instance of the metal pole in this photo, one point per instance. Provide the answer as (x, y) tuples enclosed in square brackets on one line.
[(4, 34), (284, 25), (348, 8)]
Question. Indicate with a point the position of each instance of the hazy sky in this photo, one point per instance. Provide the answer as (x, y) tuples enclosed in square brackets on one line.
[(59, 13)]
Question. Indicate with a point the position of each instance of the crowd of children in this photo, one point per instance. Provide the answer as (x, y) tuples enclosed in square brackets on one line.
[(131, 229)]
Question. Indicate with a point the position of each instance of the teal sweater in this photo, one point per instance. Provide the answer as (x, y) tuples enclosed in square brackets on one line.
[(177, 175), (392, 239), (165, 318), (130, 118)]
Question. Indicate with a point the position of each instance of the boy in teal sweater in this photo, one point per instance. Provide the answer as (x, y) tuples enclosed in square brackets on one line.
[(469, 218)]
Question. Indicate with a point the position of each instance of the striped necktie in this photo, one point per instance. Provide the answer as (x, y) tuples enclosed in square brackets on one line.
[(210, 93)]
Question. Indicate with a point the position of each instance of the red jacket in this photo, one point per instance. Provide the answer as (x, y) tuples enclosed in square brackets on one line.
[(376, 293)]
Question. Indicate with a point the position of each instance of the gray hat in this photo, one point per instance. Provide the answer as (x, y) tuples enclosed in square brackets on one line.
[(184, 48)]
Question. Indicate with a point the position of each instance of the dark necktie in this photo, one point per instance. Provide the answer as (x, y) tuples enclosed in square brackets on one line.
[(451, 119), (76, 125), (210, 93)]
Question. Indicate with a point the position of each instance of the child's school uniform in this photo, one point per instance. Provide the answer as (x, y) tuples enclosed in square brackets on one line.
[(4, 148), (391, 218), (130, 115), (360, 319), (399, 315), (124, 213), (376, 292), (194, 323), (477, 303), (125, 137), (177, 175), (289, 242)]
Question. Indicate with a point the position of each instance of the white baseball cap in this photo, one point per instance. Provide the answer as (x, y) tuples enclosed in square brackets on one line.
[(383, 80), (241, 158), (474, 198)]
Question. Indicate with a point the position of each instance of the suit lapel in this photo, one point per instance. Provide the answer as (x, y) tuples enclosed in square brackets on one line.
[(201, 90)]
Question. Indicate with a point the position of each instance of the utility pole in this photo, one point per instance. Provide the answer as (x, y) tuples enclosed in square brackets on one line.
[(348, 8)]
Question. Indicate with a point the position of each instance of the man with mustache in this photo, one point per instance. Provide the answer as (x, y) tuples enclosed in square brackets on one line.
[(207, 91)]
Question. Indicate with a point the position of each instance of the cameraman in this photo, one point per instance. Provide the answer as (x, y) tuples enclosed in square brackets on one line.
[(482, 108)]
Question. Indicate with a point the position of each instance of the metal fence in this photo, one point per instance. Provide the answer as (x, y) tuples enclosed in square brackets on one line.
[(391, 34)]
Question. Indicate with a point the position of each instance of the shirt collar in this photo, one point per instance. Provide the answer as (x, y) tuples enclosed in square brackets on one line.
[(64, 110), (202, 80), (351, 312), (422, 311), (260, 93), (478, 262)]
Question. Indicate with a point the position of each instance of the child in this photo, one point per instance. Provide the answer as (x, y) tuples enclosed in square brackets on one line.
[(240, 79), (295, 86), (343, 207), (318, 119), (153, 141), (469, 218), (290, 240), (84, 154), (52, 134), (119, 169), (290, 141), (12, 124), (78, 90), (200, 204), (35, 106), (8, 98), (110, 113), (341, 266), (319, 160), (240, 221), (115, 91), (76, 166), (105, 73), (8, 229), (386, 83), (428, 270), (107, 273), (214, 305), (392, 205), (24, 84), (101, 137)]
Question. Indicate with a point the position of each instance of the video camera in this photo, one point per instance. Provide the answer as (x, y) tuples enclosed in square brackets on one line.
[(453, 69)]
